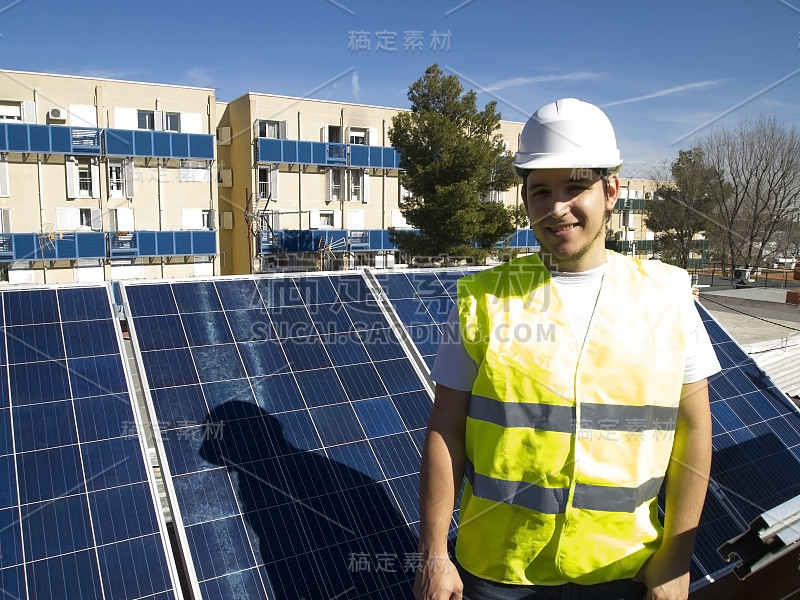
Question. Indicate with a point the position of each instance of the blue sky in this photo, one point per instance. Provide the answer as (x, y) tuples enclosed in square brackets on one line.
[(664, 71)]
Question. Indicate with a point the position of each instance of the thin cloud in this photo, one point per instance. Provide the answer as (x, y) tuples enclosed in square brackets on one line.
[(697, 85), (504, 84), (198, 76)]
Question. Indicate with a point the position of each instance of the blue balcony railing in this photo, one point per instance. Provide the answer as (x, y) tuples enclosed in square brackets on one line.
[(99, 245), (270, 150), (158, 144), (162, 243), (49, 139)]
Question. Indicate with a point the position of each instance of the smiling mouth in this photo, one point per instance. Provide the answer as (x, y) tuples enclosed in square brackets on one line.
[(558, 228)]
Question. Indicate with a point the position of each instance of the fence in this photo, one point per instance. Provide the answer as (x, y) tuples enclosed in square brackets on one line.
[(740, 277)]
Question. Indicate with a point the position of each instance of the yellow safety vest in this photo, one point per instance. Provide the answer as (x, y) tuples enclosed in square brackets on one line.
[(567, 445)]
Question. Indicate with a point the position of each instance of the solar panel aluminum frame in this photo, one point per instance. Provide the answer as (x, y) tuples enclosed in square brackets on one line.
[(172, 496), (138, 422)]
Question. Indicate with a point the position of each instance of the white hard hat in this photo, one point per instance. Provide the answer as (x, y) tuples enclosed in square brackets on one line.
[(567, 134)]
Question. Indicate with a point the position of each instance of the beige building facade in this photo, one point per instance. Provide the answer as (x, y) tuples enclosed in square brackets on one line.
[(105, 180)]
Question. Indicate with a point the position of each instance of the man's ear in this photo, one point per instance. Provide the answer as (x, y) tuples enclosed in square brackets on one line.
[(613, 187)]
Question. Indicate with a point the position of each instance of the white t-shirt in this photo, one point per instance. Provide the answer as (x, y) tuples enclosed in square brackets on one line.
[(578, 292)]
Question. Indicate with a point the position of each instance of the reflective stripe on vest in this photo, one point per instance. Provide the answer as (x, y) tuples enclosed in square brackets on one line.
[(550, 417), (553, 501)]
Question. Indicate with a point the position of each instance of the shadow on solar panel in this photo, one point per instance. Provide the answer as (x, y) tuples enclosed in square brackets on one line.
[(322, 529)]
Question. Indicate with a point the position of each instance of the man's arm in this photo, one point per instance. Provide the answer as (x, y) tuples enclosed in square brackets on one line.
[(440, 481), (666, 574)]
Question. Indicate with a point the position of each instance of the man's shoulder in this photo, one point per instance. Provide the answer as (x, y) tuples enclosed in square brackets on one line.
[(652, 269), (515, 276)]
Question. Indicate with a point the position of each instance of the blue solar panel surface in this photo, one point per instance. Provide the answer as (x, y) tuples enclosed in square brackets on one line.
[(78, 517), (422, 301), (291, 420), (756, 442)]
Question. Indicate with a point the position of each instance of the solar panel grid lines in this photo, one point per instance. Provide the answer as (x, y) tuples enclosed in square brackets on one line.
[(756, 435), (341, 404), (77, 502)]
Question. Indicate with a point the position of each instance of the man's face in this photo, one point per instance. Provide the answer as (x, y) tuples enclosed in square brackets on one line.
[(567, 209)]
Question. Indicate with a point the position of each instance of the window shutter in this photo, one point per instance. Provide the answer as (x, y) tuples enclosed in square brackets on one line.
[(283, 130), (83, 115), (323, 134), (5, 220), (72, 177), (329, 185), (211, 220), (158, 120), (68, 219), (313, 219), (191, 218), (129, 178), (372, 137), (123, 218), (337, 219), (365, 187), (4, 188), (29, 111), (191, 122), (94, 171), (97, 219), (355, 219), (126, 118), (273, 183)]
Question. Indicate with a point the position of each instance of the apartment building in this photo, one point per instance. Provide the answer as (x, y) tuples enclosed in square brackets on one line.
[(105, 180), (303, 176)]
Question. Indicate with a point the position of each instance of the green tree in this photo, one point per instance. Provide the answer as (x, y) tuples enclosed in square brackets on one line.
[(453, 158), (681, 208)]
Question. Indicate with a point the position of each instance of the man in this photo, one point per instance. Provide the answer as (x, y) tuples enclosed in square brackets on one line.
[(573, 385)]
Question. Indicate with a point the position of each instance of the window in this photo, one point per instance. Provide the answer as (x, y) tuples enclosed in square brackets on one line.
[(120, 179), (358, 136), (493, 196), (268, 183), (172, 121), (116, 180), (122, 220), (146, 119), (272, 129), (332, 133), (359, 185), (10, 111), (334, 184), (83, 177), (79, 219), (325, 219), (197, 218)]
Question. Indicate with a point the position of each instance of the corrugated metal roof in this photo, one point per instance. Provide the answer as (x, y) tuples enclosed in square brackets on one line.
[(780, 359)]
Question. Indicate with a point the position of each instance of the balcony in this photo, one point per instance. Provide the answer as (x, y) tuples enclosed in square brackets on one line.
[(49, 139), (271, 150), (162, 243), (52, 246), (158, 144), (93, 245)]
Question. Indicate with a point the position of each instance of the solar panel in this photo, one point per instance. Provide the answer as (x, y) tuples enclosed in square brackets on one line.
[(756, 443), (422, 299), (78, 512), (290, 420)]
